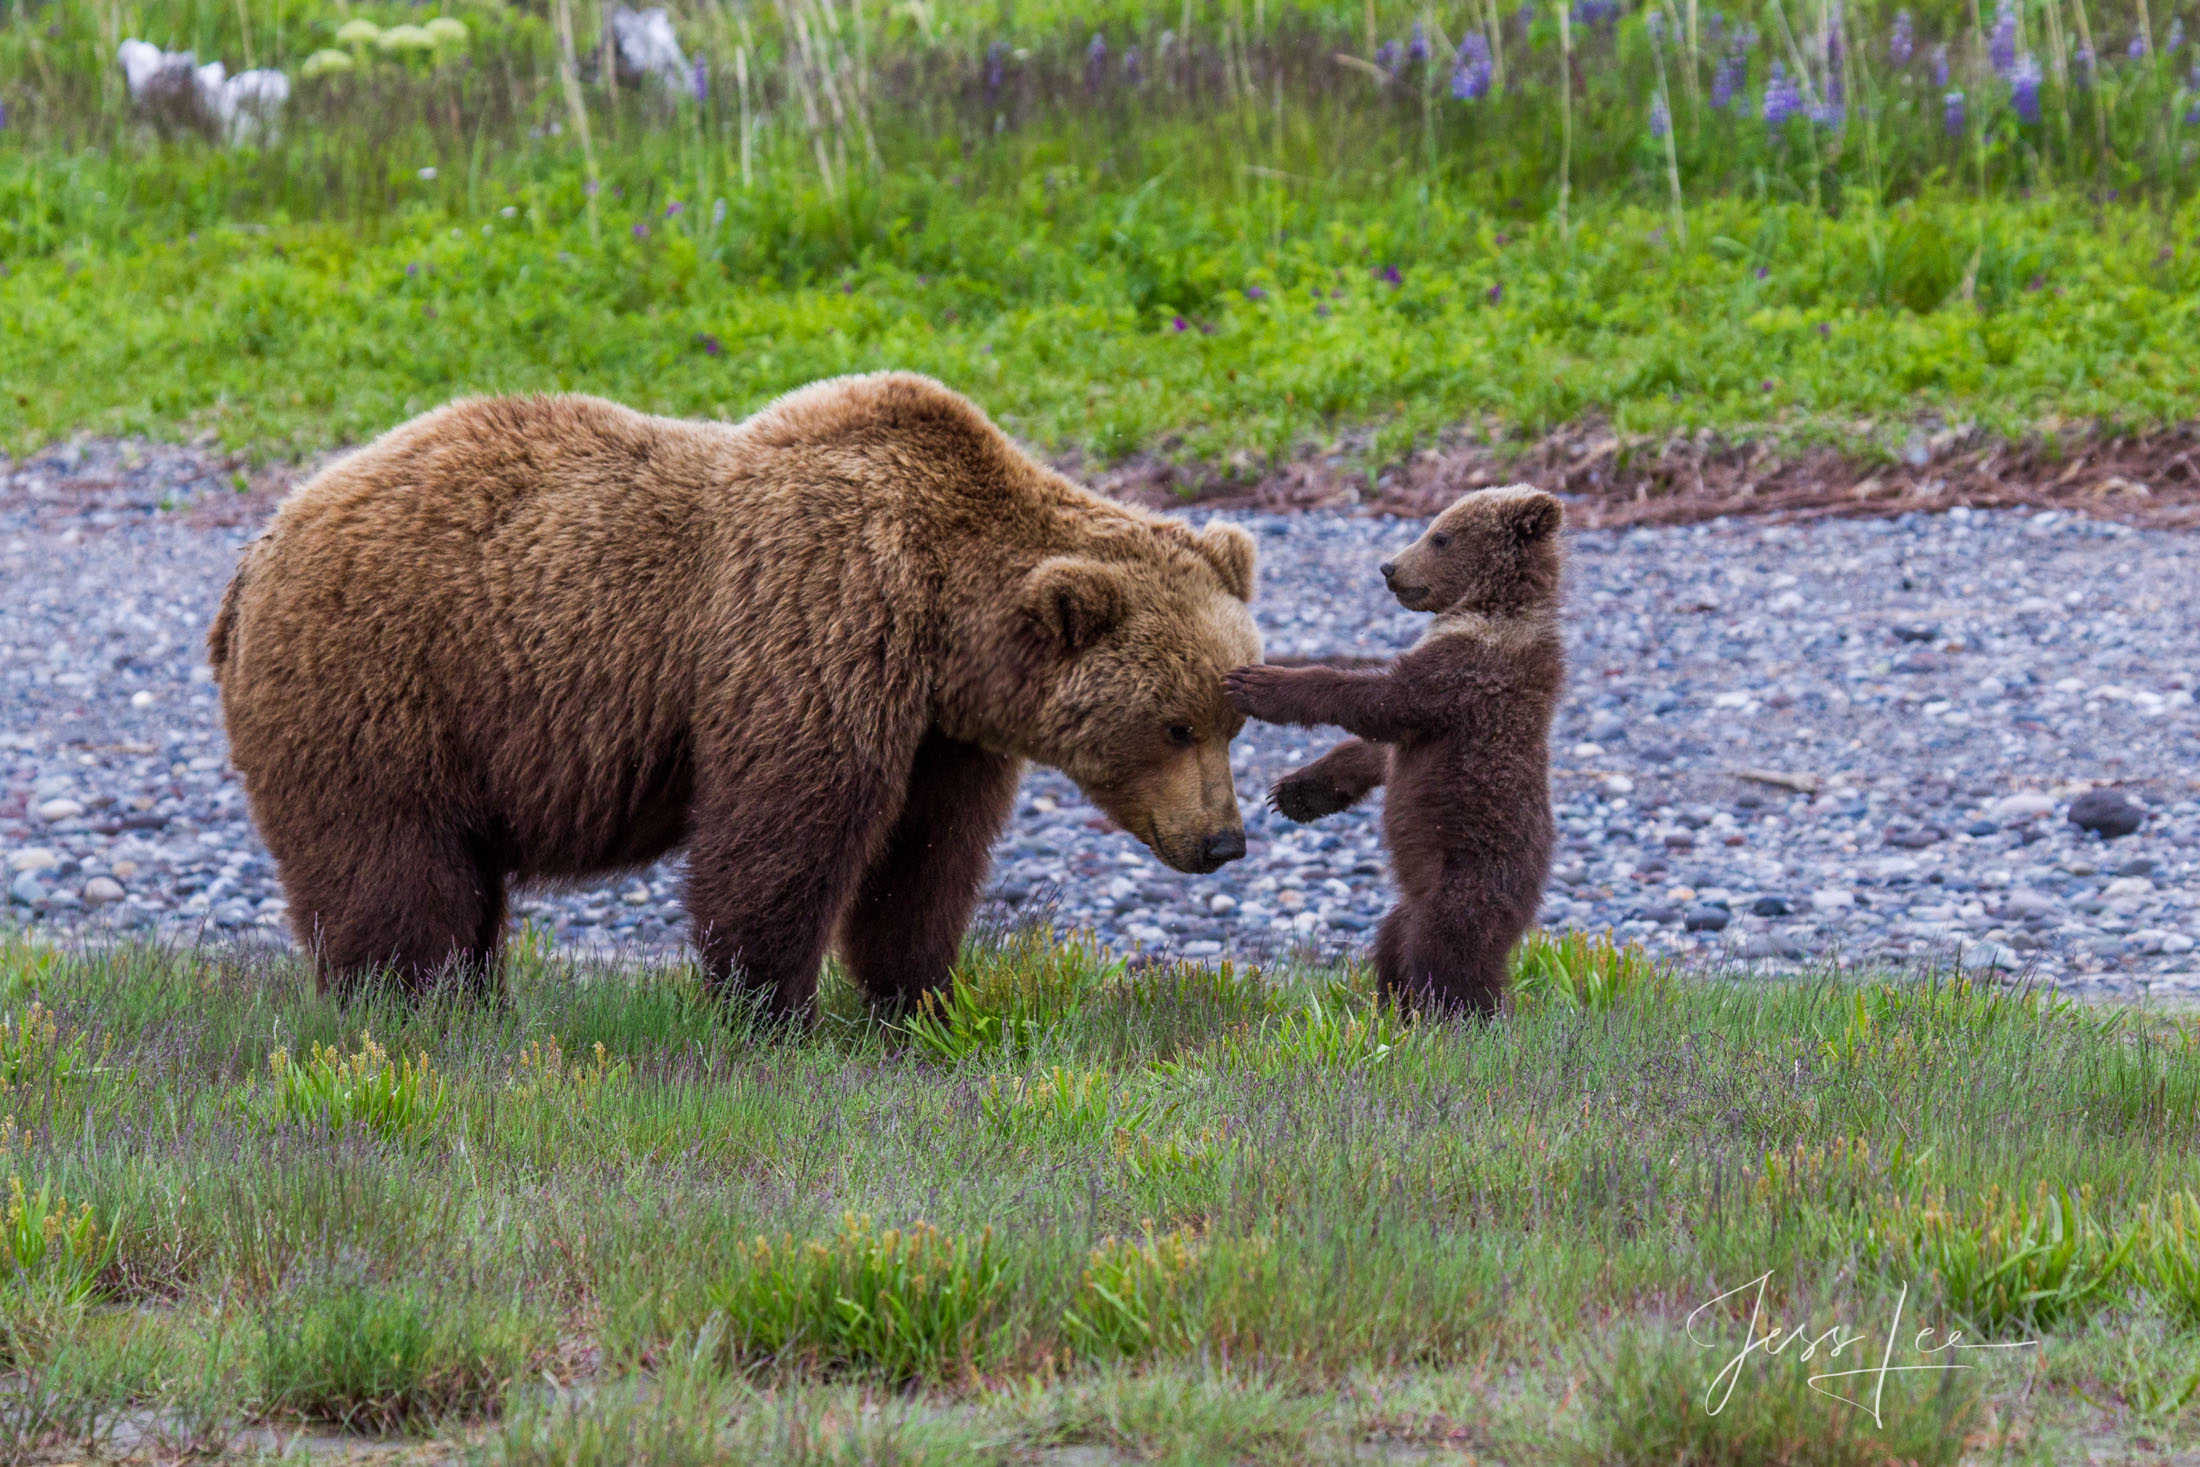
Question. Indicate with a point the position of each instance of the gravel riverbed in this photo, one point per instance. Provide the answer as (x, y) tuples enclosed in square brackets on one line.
[(1783, 744)]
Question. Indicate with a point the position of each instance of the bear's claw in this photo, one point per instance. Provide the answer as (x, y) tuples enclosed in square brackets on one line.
[(1302, 800)]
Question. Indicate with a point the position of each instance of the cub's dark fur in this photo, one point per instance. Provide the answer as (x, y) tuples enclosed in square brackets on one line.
[(1459, 729)]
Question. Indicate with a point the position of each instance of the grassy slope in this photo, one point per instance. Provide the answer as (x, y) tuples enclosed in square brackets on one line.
[(1480, 1239), (1064, 322)]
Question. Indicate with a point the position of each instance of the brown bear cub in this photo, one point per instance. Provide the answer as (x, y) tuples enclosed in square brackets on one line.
[(545, 639), (1459, 729)]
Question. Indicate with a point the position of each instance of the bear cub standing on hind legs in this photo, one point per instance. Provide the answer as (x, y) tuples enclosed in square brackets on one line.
[(1459, 729)]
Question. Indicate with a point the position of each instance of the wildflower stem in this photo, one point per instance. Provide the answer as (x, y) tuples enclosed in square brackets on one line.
[(576, 106)]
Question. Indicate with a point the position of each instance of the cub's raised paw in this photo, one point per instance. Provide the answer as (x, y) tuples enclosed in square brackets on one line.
[(1303, 798), (1255, 691)]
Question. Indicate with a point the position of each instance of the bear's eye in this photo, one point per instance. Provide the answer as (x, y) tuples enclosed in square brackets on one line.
[(1439, 541), (1182, 735)]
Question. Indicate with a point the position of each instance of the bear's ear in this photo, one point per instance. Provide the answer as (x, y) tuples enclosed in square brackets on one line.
[(1074, 602), (1230, 551), (1533, 516)]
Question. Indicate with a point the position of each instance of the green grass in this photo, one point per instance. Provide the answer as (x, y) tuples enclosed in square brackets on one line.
[(1179, 1214), (1255, 252)]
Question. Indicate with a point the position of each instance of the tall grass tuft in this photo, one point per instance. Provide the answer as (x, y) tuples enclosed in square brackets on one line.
[(392, 1098), (1577, 971), (909, 1303), (383, 1357)]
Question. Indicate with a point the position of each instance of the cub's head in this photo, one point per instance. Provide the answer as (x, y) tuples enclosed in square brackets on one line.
[(1495, 551), (1128, 647)]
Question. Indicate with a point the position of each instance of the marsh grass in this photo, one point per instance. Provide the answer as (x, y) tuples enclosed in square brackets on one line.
[(1259, 1200)]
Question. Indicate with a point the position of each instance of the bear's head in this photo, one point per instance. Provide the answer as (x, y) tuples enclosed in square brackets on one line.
[(1496, 551), (1127, 644)]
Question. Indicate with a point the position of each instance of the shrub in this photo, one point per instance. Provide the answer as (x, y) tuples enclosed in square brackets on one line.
[(1578, 971), (48, 1252), (1131, 1299), (391, 1098), (2020, 1264), (909, 1303)]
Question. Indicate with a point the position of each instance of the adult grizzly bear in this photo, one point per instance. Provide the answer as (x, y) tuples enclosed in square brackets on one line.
[(550, 638), (1459, 728)]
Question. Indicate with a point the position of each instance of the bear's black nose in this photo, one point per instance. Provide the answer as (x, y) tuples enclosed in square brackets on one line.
[(1389, 569), (1227, 846)]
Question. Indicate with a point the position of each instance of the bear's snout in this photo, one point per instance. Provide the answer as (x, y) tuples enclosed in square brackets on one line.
[(1221, 848)]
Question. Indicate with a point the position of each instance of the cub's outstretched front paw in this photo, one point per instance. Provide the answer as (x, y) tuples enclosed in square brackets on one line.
[(1302, 797), (1257, 691)]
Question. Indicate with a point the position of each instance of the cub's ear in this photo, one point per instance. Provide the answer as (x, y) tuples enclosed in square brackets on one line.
[(1074, 602), (1535, 515), (1230, 551)]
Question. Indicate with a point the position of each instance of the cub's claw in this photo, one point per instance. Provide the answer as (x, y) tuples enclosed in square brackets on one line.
[(1302, 799), (1253, 690)]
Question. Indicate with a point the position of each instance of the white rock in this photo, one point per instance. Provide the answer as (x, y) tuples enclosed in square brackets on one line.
[(54, 810), (101, 890), (2128, 886), (1984, 956), (143, 698), (635, 896), (1619, 784), (1832, 899), (2177, 942), (1221, 903), (33, 858), (2021, 806)]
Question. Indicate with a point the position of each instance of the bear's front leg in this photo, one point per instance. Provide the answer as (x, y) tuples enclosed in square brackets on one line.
[(1337, 781), (901, 932), (1373, 705), (770, 868)]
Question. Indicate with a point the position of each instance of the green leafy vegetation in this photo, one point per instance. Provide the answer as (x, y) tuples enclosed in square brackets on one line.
[(1192, 1213), (1248, 248)]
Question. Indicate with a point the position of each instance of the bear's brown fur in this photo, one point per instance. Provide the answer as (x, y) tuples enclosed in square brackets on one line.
[(1459, 729), (551, 638)]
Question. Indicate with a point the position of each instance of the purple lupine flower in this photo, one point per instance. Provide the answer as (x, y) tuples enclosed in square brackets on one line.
[(1255, 293), (641, 230), (996, 71), (1829, 114), (1389, 276), (1782, 99), (1179, 323), (675, 209), (1096, 63), (1661, 121), (708, 343), (1951, 114), (1134, 69), (2176, 36), (1940, 66), (1902, 40), (1714, 26), (699, 80), (1497, 293), (1470, 73), (2024, 89), (1731, 77), (1596, 12), (2137, 50), (1387, 56), (1525, 15), (1417, 48), (2081, 67), (2001, 45), (717, 212)]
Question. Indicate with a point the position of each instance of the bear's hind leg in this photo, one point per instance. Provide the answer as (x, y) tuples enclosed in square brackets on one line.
[(900, 934), (1440, 965), (414, 902)]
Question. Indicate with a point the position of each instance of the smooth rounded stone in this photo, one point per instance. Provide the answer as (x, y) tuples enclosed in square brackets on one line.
[(53, 812), (103, 891), (1832, 899), (1707, 917), (1979, 829), (33, 858), (1987, 956), (2137, 866), (1770, 906), (27, 888), (2107, 813)]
